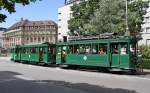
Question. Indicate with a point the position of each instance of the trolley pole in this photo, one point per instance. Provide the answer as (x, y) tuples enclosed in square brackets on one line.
[(127, 33)]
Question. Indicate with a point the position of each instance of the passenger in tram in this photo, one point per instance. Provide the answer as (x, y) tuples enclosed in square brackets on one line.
[(93, 51), (88, 50), (123, 51), (101, 51), (115, 51), (70, 50)]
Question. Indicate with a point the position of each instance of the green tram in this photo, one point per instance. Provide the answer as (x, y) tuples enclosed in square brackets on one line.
[(38, 53), (102, 53), (120, 53)]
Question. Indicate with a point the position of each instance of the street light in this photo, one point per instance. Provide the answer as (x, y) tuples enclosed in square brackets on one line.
[(127, 33)]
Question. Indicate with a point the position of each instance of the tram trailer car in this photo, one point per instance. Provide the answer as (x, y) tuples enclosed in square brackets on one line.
[(38, 53), (102, 53)]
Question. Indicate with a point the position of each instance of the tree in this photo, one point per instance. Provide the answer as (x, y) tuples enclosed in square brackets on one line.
[(100, 16), (144, 51), (9, 5), (81, 15)]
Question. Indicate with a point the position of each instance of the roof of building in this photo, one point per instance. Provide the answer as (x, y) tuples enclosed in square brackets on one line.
[(25, 23), (2, 29)]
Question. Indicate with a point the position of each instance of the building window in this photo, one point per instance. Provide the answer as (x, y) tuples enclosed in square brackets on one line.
[(31, 39), (147, 19), (35, 38), (27, 38), (43, 38), (148, 29), (147, 42), (70, 15), (59, 19), (39, 39)]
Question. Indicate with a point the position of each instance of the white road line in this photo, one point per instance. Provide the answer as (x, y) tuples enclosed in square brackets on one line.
[(22, 77)]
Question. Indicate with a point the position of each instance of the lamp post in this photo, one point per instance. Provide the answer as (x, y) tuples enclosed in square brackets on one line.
[(127, 33)]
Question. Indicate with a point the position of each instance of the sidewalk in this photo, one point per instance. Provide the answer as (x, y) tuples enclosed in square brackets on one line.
[(6, 58)]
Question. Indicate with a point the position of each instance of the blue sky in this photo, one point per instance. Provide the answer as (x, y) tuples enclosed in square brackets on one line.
[(40, 10)]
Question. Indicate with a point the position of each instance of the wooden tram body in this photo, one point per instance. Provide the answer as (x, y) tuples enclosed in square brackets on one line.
[(119, 53), (38, 53)]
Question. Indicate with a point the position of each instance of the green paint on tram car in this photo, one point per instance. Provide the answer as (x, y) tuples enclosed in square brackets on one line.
[(112, 53), (38, 53)]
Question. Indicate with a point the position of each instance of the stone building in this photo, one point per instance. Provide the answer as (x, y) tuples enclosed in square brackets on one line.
[(1, 36), (30, 32)]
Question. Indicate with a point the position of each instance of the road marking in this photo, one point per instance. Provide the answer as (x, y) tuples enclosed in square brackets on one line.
[(6, 80), (22, 77), (57, 68)]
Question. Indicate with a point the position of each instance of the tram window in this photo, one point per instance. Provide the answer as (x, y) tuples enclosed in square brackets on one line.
[(82, 49), (59, 50), (115, 48), (76, 49), (70, 50), (102, 49), (133, 48), (44, 50), (24, 50), (27, 50), (34, 50), (88, 49), (51, 50), (124, 49), (95, 49)]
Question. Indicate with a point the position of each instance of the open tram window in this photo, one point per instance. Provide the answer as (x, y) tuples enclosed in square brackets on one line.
[(124, 48), (102, 49), (115, 48), (133, 48), (76, 49), (27, 50), (24, 50), (88, 49), (59, 50), (82, 49), (51, 50), (70, 51), (34, 50), (94, 48), (44, 50)]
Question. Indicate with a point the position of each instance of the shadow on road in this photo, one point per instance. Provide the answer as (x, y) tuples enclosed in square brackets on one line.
[(10, 84)]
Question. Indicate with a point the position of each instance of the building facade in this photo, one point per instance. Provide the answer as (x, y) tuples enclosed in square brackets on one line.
[(64, 14), (1, 36), (146, 30), (30, 32)]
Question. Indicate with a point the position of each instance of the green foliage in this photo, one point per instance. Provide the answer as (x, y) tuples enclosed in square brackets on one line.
[(100, 16), (145, 64), (9, 5), (144, 51)]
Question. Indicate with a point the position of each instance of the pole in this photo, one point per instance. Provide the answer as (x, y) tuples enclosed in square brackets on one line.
[(127, 29)]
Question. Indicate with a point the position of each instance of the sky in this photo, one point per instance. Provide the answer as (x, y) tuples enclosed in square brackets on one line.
[(40, 10)]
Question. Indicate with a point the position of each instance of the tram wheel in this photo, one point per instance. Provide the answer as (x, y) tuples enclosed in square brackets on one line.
[(133, 71)]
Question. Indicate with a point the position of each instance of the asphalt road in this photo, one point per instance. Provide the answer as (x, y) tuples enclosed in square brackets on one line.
[(25, 78)]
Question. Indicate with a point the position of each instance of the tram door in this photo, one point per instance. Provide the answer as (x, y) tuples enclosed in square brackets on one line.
[(41, 54), (115, 55), (61, 54), (58, 55)]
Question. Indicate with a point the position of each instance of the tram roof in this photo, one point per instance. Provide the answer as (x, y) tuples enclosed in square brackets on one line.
[(36, 45), (90, 41)]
